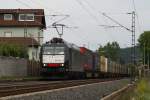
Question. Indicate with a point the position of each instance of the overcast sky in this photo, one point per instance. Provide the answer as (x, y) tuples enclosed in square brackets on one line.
[(86, 15)]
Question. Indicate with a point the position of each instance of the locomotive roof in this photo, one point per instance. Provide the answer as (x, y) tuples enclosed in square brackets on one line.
[(67, 44), (62, 42)]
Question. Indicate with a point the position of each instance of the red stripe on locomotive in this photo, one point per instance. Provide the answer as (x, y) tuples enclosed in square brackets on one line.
[(53, 65)]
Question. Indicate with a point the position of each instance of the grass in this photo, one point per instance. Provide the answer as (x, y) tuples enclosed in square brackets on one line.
[(139, 92), (142, 91)]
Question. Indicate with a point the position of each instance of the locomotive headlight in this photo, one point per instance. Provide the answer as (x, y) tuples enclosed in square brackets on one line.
[(62, 64), (44, 65)]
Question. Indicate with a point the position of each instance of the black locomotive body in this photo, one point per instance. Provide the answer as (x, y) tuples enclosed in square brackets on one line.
[(59, 58)]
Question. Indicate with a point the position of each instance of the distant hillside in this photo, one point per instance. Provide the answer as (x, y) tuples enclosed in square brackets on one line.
[(125, 54)]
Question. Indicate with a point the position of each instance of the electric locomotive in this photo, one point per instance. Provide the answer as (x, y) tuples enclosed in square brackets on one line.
[(65, 60)]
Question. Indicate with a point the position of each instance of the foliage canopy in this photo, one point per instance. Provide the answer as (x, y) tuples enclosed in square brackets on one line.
[(144, 43), (110, 50)]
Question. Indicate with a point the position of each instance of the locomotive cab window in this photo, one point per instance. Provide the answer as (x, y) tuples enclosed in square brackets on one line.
[(59, 50), (48, 50), (53, 50)]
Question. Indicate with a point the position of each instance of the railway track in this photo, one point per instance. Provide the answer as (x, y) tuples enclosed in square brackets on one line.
[(21, 88)]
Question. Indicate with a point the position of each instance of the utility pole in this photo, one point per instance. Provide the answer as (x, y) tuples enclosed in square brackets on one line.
[(133, 39), (133, 55)]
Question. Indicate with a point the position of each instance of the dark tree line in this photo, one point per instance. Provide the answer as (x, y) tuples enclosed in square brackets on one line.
[(111, 51)]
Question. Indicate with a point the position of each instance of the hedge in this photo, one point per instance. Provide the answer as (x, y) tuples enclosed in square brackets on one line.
[(13, 50)]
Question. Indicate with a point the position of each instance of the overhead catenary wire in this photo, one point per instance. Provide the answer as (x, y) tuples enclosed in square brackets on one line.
[(53, 20), (41, 5), (50, 9), (89, 13), (116, 22), (93, 8), (120, 25), (52, 15), (24, 3), (93, 16), (47, 8), (97, 11), (74, 27), (89, 5), (105, 26)]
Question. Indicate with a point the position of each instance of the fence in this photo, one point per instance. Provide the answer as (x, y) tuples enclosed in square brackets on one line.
[(33, 68)]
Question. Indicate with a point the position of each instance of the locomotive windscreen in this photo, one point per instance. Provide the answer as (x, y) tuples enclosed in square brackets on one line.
[(53, 50)]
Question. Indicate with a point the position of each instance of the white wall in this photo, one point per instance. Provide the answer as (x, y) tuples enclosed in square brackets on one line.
[(10, 66), (20, 32), (33, 53)]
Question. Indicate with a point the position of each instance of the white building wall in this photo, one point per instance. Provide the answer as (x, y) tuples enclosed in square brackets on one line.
[(23, 32)]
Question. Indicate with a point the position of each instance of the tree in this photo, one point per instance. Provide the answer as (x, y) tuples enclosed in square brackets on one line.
[(102, 51), (110, 50), (144, 43)]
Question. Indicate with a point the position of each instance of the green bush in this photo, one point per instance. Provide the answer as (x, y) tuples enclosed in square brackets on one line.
[(13, 50)]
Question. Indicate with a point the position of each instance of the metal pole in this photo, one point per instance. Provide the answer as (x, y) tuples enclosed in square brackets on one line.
[(133, 38), (133, 46)]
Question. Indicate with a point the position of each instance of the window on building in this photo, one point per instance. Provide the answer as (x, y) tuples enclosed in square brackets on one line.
[(26, 17), (8, 16), (8, 34)]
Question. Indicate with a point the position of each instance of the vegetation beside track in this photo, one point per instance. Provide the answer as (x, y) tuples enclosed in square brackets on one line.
[(141, 91)]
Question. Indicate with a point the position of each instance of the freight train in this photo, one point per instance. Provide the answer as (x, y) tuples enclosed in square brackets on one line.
[(66, 60)]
